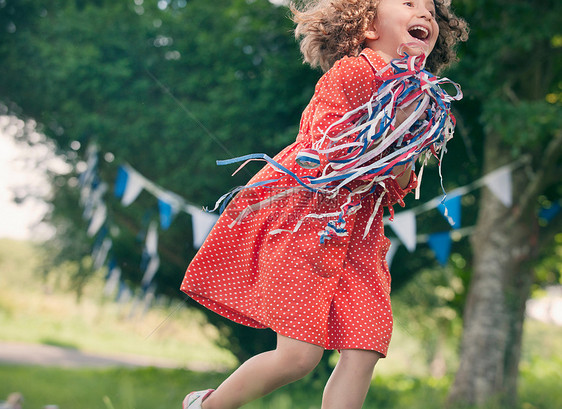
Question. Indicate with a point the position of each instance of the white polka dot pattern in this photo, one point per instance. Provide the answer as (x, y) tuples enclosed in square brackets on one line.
[(336, 294)]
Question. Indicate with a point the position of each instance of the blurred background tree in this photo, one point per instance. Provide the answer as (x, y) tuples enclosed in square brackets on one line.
[(511, 72), (170, 86)]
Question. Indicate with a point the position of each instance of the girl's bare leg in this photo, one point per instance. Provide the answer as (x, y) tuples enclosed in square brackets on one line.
[(349, 383), (266, 372)]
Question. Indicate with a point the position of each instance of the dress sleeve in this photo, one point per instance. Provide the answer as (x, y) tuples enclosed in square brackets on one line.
[(347, 86)]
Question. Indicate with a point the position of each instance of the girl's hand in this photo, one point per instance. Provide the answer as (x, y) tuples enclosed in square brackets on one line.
[(413, 49), (403, 174), (403, 113)]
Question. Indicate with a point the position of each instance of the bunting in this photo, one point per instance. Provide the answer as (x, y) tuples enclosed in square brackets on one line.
[(203, 222), (98, 219), (450, 206), (150, 254), (87, 177), (94, 199), (548, 213), (120, 182), (167, 213), (124, 293), (451, 210), (391, 251), (169, 203), (499, 183), (112, 279), (101, 255), (133, 187), (404, 226), (151, 242), (129, 183), (440, 243)]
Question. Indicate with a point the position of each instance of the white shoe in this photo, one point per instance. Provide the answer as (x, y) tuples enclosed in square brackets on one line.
[(195, 399)]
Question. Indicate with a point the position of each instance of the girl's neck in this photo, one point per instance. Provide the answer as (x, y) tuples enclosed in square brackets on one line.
[(387, 58)]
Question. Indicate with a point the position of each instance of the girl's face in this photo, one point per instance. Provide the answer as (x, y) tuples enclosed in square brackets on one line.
[(399, 22)]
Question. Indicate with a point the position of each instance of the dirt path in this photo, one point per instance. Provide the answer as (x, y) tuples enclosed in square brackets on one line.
[(47, 355)]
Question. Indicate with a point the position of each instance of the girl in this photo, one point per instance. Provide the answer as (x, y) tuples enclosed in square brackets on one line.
[(284, 258)]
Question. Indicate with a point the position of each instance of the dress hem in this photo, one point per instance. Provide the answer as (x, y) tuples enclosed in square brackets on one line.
[(243, 319)]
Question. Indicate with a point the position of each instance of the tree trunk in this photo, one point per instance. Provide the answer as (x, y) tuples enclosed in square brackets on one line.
[(503, 242)]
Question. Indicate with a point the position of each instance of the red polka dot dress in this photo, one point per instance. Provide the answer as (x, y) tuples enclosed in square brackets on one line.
[(256, 270)]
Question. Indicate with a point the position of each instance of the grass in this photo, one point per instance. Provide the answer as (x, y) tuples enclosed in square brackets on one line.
[(38, 311), (107, 388), (149, 388)]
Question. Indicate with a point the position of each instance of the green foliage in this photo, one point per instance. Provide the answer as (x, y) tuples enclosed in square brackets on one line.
[(513, 66), (523, 125), (430, 306), (167, 90), (549, 270)]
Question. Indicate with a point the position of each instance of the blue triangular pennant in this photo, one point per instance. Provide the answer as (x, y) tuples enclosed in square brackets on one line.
[(440, 243), (121, 181), (548, 213), (166, 214), (451, 210)]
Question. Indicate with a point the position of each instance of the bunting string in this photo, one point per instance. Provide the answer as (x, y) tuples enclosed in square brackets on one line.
[(129, 183), (489, 180), (404, 224), (169, 203)]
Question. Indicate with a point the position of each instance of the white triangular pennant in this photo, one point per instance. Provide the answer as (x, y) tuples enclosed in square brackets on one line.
[(112, 281), (151, 242), (202, 222), (499, 183), (404, 225), (135, 184), (101, 254), (98, 219), (94, 199), (391, 251), (87, 177), (151, 270)]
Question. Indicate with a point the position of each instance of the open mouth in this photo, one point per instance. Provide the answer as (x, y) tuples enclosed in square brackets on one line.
[(419, 32)]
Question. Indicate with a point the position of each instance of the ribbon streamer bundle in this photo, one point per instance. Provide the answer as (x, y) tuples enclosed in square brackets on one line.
[(375, 140)]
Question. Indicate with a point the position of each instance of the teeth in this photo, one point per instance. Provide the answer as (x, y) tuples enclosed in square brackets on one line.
[(419, 28)]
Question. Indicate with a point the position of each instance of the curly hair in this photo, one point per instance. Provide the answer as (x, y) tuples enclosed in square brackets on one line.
[(331, 29)]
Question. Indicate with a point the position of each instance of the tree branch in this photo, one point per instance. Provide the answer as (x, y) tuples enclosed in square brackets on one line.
[(545, 174)]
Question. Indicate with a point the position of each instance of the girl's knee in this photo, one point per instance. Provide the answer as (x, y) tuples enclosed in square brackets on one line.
[(298, 357), (303, 363), (360, 358)]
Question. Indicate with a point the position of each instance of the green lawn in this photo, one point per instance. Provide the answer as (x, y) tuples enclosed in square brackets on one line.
[(150, 388), (39, 310)]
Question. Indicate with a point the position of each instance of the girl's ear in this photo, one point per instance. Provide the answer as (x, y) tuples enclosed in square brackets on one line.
[(371, 33)]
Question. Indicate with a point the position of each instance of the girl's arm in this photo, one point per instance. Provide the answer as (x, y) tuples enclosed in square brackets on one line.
[(403, 173)]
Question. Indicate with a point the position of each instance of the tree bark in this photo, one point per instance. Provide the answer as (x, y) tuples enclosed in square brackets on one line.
[(503, 243)]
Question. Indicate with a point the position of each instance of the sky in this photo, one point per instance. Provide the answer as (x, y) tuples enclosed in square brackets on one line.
[(20, 173)]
